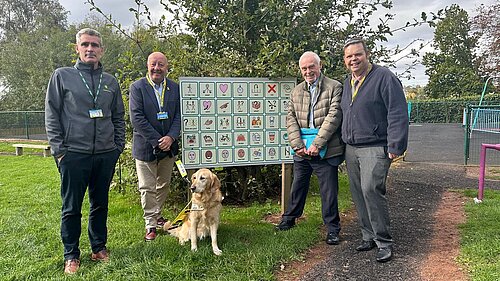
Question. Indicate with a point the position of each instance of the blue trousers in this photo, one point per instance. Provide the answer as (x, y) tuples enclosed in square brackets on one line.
[(328, 186), (79, 171)]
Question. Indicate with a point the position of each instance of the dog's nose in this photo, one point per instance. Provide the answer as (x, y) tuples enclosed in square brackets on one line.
[(193, 188)]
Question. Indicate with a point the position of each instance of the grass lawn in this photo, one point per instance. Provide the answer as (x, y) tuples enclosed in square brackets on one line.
[(480, 236), (32, 248)]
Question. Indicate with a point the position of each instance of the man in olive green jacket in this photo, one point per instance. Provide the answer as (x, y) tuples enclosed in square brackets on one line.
[(313, 126)]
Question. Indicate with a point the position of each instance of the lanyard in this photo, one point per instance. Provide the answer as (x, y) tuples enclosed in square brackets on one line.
[(355, 87), (158, 94), (88, 88)]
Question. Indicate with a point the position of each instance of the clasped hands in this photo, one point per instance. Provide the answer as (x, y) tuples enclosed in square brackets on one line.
[(312, 151), (165, 143)]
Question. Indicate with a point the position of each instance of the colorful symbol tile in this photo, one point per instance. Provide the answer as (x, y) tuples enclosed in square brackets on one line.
[(224, 106), (240, 106), (256, 138), (272, 153), (240, 138), (240, 122), (189, 89), (272, 106), (225, 155), (224, 90), (272, 122), (256, 122), (271, 90), (191, 140), (189, 107), (257, 106), (240, 90), (224, 139), (241, 155), (208, 156), (208, 123), (191, 157), (208, 139), (190, 124), (207, 90), (256, 90), (224, 123), (286, 89), (207, 107), (256, 153)]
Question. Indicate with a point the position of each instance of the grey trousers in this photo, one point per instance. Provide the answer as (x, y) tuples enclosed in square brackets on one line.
[(154, 180), (367, 168)]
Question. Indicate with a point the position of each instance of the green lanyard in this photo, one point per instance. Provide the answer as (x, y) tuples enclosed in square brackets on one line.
[(158, 94), (88, 88), (356, 88)]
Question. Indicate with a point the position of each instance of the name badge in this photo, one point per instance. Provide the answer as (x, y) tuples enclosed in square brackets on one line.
[(162, 115), (96, 113)]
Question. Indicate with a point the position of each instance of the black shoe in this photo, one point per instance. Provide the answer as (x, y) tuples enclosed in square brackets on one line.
[(366, 246), (384, 254), (332, 238), (285, 225)]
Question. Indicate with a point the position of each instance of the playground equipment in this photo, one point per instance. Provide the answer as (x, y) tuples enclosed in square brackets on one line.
[(482, 166)]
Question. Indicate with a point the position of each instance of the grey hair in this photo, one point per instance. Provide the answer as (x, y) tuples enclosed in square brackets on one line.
[(88, 31), (313, 54)]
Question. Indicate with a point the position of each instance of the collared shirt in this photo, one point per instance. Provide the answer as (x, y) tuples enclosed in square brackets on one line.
[(158, 93), (314, 91)]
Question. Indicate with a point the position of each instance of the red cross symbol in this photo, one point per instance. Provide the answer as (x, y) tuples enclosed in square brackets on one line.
[(272, 88)]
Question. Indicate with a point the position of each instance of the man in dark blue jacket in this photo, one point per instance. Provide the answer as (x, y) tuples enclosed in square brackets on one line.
[(86, 132), (156, 118), (375, 130)]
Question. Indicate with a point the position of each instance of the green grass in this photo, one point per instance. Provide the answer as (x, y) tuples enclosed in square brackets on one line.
[(480, 236), (32, 249)]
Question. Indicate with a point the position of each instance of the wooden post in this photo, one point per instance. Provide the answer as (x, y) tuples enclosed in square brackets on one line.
[(286, 185)]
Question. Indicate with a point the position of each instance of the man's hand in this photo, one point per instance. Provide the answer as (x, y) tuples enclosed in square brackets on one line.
[(165, 142), (393, 156), (313, 151), (301, 152)]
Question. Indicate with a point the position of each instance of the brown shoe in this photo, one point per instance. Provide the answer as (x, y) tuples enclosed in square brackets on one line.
[(150, 234), (102, 255), (71, 266)]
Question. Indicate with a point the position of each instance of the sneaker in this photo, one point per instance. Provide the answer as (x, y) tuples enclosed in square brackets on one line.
[(160, 222), (150, 234), (71, 266), (102, 255), (285, 225)]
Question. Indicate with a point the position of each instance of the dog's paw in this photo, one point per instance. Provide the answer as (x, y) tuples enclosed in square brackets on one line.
[(194, 249), (217, 251)]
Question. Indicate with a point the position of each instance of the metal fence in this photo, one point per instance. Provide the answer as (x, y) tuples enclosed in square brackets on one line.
[(22, 125), (482, 125)]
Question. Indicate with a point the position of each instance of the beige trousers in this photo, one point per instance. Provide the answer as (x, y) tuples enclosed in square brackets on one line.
[(154, 180)]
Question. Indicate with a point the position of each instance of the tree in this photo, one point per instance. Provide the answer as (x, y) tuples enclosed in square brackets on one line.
[(24, 16), (32, 43), (452, 70), (486, 26)]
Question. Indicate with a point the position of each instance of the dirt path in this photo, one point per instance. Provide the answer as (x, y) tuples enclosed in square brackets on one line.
[(424, 218)]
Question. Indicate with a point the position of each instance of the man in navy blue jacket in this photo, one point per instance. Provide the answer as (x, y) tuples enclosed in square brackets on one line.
[(375, 130), (156, 118)]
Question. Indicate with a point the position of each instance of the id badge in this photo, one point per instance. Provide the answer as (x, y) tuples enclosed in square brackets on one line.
[(96, 113), (162, 115)]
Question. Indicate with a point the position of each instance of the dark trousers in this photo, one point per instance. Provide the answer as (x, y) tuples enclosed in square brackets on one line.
[(79, 171), (328, 186)]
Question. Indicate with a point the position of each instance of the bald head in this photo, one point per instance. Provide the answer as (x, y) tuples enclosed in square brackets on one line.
[(157, 67)]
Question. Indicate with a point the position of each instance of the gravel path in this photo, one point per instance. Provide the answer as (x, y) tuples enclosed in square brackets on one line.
[(415, 190)]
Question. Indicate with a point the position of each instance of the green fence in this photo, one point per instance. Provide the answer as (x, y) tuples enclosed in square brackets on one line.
[(482, 125), (22, 125)]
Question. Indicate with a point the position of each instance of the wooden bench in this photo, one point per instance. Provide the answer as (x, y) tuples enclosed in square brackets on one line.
[(19, 148)]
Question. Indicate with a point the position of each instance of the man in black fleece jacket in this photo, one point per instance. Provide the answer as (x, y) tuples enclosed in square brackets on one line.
[(375, 130)]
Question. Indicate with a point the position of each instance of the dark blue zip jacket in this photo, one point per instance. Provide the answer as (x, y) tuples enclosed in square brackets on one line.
[(378, 116)]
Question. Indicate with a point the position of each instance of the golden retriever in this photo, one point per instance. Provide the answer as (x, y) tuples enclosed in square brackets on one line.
[(203, 218)]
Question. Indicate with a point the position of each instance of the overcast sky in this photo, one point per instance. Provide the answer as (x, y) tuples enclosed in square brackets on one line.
[(404, 11)]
